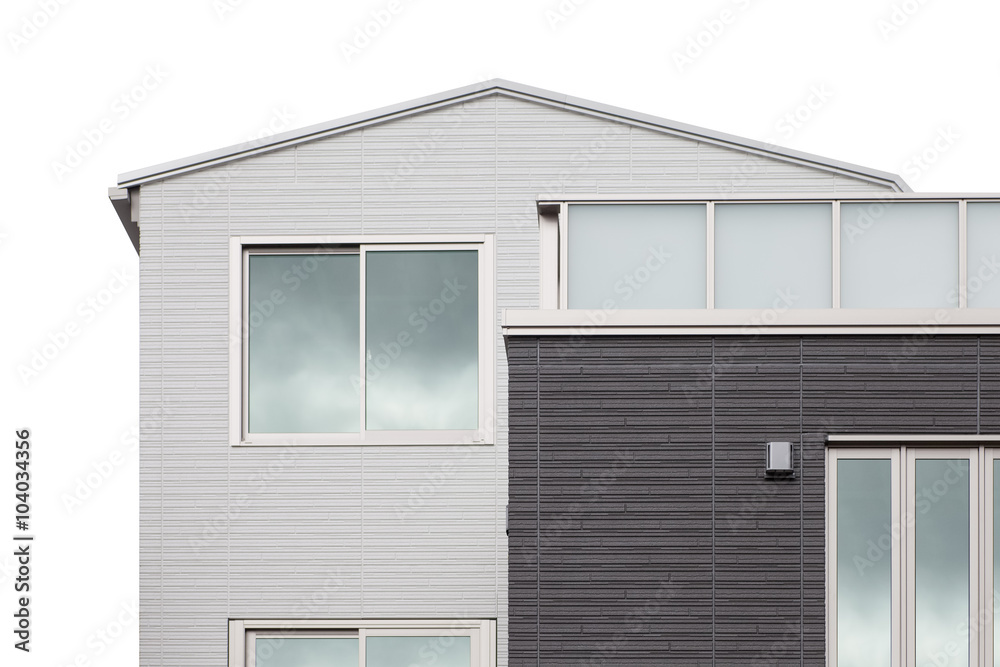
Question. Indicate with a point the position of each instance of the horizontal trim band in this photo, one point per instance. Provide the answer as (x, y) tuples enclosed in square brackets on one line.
[(596, 322), (353, 623), (922, 438)]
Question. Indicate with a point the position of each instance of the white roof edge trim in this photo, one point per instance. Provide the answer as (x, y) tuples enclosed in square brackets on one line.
[(246, 149), (768, 197)]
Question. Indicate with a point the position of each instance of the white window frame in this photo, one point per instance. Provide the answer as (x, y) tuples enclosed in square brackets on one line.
[(554, 228), (902, 451), (244, 632), (240, 249), (893, 455)]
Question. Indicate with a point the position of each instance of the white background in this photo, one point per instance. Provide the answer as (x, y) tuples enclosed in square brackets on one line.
[(888, 81)]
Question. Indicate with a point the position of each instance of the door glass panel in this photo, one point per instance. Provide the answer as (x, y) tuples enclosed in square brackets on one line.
[(422, 347), (306, 651), (864, 563), (941, 488), (441, 651), (303, 327)]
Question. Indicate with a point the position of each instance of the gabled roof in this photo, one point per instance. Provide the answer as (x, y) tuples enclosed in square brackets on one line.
[(491, 87)]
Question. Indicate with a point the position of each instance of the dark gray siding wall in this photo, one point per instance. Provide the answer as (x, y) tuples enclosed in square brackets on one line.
[(642, 530)]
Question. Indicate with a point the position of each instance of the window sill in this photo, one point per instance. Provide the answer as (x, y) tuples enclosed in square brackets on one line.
[(402, 438)]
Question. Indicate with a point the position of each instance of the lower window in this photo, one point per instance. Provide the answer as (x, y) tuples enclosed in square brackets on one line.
[(911, 557), (363, 644)]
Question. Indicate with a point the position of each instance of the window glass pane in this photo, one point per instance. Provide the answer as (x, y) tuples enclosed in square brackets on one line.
[(637, 256), (942, 561), (444, 651), (899, 255), (984, 254), (773, 256), (306, 651), (422, 348), (864, 563), (304, 332)]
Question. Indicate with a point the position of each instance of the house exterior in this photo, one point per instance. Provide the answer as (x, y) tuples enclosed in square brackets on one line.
[(488, 378)]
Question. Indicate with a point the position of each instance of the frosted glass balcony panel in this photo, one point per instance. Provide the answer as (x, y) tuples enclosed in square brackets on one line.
[(624, 256), (773, 256), (899, 255), (983, 279)]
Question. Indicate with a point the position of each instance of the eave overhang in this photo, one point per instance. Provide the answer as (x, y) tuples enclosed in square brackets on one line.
[(127, 209)]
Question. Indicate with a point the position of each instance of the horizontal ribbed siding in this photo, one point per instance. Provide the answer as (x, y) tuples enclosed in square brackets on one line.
[(331, 532), (628, 547)]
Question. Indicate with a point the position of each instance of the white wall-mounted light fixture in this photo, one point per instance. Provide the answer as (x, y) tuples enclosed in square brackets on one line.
[(779, 460)]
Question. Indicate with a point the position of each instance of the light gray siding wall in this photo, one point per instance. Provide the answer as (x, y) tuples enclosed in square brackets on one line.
[(346, 532)]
